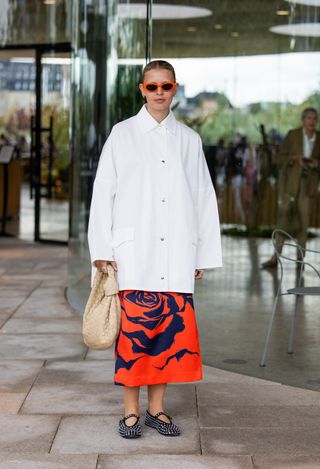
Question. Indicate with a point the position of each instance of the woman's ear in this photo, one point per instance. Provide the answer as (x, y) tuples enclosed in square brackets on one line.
[(141, 89)]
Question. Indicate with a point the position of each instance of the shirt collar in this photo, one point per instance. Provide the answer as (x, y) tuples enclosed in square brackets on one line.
[(306, 136), (147, 122)]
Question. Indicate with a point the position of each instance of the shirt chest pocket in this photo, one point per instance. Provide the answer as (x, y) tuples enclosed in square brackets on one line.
[(124, 251)]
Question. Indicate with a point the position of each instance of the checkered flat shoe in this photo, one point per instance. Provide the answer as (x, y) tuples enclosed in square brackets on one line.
[(130, 431), (167, 429)]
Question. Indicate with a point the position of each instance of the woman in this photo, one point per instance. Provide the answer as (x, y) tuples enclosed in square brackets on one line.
[(154, 217)]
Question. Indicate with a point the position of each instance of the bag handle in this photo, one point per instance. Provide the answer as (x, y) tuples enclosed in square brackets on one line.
[(110, 286)]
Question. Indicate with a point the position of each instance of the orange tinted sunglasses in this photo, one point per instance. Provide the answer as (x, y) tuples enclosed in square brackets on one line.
[(166, 86)]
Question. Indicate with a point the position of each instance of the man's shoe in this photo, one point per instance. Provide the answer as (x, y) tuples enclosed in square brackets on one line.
[(130, 431), (167, 429), (270, 264)]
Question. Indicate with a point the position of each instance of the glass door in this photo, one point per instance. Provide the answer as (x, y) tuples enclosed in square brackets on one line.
[(50, 143)]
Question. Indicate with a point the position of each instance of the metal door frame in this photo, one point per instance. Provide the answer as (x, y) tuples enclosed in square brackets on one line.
[(40, 50)]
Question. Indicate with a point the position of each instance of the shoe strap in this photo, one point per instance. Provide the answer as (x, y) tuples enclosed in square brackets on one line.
[(130, 415), (162, 413)]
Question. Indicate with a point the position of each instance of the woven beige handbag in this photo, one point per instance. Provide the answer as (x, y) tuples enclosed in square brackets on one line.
[(102, 315)]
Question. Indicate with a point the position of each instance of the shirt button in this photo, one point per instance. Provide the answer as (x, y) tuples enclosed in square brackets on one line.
[(163, 200), (162, 239), (163, 161), (162, 278)]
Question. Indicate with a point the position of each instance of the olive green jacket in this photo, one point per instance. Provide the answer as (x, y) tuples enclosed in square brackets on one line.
[(290, 170)]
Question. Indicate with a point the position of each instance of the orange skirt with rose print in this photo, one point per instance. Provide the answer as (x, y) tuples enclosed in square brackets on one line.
[(158, 340)]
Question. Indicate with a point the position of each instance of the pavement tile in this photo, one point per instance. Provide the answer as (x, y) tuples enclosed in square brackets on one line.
[(49, 326), (99, 434), (286, 462), (242, 394), (14, 291), (48, 294), (215, 375), (55, 282), (9, 304), (27, 433), (10, 403), (20, 268), (47, 461), (12, 258), (100, 399), (42, 346), (18, 375), (52, 265), (77, 372), (35, 308), (81, 399), (100, 354), (169, 461), (259, 416), (4, 317), (261, 441), (33, 279), (38, 301)]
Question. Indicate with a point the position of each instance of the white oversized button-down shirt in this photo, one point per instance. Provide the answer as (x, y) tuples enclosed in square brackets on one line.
[(308, 144), (154, 209)]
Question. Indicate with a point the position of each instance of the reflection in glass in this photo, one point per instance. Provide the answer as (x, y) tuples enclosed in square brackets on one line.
[(55, 160), (109, 53), (243, 86), (35, 22)]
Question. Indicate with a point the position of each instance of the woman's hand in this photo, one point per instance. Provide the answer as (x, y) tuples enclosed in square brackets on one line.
[(198, 274), (102, 265)]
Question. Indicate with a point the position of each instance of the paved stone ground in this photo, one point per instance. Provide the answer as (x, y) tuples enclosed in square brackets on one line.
[(59, 408)]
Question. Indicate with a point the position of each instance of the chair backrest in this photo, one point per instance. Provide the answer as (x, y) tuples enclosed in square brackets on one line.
[(288, 241), (292, 242)]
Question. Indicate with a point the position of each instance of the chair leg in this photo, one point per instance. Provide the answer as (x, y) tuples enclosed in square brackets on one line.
[(267, 339), (293, 325)]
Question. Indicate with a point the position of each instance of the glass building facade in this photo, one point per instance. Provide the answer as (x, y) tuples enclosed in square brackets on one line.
[(246, 71), (110, 44)]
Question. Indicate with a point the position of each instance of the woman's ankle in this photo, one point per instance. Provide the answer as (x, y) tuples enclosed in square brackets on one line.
[(154, 409), (131, 410)]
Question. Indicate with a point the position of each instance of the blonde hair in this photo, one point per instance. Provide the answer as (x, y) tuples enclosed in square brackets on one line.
[(154, 64)]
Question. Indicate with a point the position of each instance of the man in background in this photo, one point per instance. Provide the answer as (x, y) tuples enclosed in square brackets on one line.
[(298, 157)]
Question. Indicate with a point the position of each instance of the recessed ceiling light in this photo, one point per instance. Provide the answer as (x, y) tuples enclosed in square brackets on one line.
[(191, 29), (282, 12), (298, 29), (313, 3), (49, 2), (235, 34), (218, 26), (161, 11)]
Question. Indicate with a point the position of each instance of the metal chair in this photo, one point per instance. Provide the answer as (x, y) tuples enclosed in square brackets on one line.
[(298, 291)]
